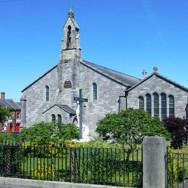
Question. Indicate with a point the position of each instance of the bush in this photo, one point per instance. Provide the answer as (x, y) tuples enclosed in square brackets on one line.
[(45, 133), (6, 137), (177, 128)]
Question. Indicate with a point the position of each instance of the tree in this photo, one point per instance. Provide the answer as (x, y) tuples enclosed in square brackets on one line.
[(177, 128), (130, 127), (44, 133), (4, 113)]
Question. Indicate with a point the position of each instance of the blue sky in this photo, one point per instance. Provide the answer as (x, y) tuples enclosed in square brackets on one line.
[(124, 35)]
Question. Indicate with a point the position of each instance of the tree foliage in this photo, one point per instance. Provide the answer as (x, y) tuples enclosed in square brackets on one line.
[(44, 133), (177, 128), (4, 113), (130, 127)]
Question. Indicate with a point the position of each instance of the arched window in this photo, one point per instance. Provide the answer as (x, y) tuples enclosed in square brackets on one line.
[(141, 102), (53, 118), (47, 93), (156, 104), (69, 37), (163, 106), (148, 103), (171, 105), (94, 91), (67, 84), (59, 118)]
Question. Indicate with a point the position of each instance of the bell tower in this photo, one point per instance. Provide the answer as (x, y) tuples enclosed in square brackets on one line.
[(69, 63), (70, 50)]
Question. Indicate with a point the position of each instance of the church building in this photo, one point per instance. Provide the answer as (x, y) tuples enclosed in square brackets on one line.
[(52, 96)]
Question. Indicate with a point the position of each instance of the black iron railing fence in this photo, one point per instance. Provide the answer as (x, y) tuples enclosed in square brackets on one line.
[(177, 169), (107, 166)]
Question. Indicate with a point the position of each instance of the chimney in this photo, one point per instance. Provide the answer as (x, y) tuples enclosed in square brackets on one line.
[(2, 95)]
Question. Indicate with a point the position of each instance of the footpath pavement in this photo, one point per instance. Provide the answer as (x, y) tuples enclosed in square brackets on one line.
[(14, 186)]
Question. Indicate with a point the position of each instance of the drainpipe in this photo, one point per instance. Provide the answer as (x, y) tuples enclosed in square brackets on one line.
[(126, 95), (119, 101)]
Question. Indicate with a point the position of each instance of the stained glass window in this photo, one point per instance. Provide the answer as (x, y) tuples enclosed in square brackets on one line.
[(141, 102), (156, 104), (94, 91), (47, 93), (163, 106), (171, 105), (148, 103)]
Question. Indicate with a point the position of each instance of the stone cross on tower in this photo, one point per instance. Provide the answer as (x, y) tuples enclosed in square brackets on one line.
[(80, 101)]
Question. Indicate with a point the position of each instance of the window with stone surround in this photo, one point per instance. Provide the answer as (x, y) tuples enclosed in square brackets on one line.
[(163, 106), (47, 93), (18, 115), (156, 104), (148, 103), (171, 105), (53, 118), (94, 91), (141, 102), (67, 84), (59, 118)]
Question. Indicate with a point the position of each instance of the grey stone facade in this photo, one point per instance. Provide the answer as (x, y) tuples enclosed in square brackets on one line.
[(108, 92), (80, 74), (158, 84)]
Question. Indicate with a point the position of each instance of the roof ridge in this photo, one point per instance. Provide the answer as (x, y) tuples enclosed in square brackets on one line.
[(14, 103), (171, 80), (60, 106), (6, 100), (161, 76), (112, 70)]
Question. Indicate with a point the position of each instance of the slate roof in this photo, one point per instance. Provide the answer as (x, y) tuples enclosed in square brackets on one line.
[(66, 108), (162, 77), (9, 103), (123, 79)]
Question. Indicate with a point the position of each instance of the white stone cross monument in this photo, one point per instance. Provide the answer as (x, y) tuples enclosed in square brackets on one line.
[(80, 101)]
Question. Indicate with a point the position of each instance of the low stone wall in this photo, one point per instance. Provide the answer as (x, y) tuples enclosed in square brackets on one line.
[(46, 184)]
